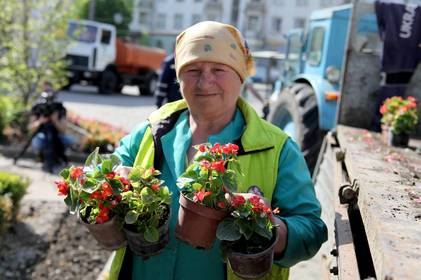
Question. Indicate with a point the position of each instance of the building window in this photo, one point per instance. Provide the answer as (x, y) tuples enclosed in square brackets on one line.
[(143, 18), (277, 25), (178, 21), (301, 3), (195, 18), (326, 3), (161, 21), (299, 22), (252, 23)]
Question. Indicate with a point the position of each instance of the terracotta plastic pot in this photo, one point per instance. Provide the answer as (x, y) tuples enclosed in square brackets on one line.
[(197, 223), (109, 234), (145, 249), (251, 266)]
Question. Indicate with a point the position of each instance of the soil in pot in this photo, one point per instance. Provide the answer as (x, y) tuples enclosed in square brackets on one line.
[(109, 234), (140, 246), (250, 261), (197, 223)]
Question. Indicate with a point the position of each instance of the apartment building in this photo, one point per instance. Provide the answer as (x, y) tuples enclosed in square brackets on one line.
[(263, 22)]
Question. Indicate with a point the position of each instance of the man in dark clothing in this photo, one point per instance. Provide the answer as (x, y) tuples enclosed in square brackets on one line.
[(168, 88), (400, 30)]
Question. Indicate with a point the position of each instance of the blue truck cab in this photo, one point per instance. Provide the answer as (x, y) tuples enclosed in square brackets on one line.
[(305, 99)]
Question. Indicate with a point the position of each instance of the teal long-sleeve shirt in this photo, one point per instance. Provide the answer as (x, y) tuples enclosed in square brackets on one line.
[(294, 195)]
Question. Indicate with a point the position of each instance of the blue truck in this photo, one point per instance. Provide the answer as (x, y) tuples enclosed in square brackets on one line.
[(304, 103), (326, 99)]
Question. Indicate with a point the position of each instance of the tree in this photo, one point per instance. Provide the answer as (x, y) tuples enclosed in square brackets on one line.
[(106, 11), (31, 46)]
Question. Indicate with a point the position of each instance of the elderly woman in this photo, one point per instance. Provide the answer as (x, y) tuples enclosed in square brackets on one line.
[(212, 61)]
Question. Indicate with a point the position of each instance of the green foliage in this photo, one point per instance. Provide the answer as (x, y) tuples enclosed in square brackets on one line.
[(105, 11), (400, 114), (93, 190), (32, 44), (12, 188), (207, 179), (248, 228), (11, 111), (146, 206), (13, 185)]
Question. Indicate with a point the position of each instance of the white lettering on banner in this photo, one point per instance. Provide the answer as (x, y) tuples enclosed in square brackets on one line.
[(407, 21)]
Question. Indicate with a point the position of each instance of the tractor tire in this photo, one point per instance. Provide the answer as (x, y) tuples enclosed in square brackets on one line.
[(149, 86), (109, 82), (296, 112)]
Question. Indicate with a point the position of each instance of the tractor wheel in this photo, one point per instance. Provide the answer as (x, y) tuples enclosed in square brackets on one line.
[(108, 83), (296, 112), (149, 86)]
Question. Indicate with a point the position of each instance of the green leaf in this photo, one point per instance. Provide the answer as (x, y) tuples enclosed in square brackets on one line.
[(65, 173), (90, 186), (263, 231), (115, 160), (151, 234), (197, 186), (107, 166), (92, 159), (146, 194), (228, 230), (230, 180), (131, 217), (245, 229)]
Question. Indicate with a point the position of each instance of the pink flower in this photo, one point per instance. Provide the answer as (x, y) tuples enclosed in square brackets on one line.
[(199, 196)]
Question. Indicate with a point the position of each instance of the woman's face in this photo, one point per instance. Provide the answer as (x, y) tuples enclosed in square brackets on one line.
[(210, 89)]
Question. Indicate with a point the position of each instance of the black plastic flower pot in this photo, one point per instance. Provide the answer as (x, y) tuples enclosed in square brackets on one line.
[(252, 266), (141, 247)]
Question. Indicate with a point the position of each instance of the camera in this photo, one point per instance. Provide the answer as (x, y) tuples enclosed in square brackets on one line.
[(46, 106)]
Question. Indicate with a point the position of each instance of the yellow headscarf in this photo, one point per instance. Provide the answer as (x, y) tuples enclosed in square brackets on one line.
[(211, 41)]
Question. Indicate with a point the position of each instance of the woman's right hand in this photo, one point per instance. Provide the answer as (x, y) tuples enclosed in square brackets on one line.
[(123, 171)]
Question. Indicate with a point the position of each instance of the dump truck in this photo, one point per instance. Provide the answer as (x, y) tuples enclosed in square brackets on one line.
[(370, 192), (97, 56)]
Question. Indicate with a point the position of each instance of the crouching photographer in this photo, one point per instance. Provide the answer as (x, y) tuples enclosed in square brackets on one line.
[(48, 125)]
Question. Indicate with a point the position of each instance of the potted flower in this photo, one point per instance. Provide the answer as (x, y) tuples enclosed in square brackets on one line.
[(400, 116), (248, 236), (94, 192), (203, 187), (146, 212)]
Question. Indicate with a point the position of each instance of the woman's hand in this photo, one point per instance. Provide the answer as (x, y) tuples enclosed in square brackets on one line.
[(123, 171), (280, 225)]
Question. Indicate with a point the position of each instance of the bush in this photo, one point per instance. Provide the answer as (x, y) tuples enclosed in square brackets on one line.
[(11, 113), (12, 189)]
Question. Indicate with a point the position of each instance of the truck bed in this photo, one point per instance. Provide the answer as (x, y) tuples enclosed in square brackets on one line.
[(389, 199)]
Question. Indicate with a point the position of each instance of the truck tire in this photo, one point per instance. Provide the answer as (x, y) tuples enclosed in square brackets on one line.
[(149, 86), (108, 83), (296, 112)]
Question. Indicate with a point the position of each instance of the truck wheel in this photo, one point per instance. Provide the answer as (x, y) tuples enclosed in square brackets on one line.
[(149, 87), (108, 83), (296, 112)]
